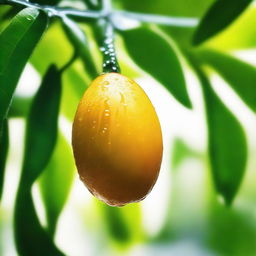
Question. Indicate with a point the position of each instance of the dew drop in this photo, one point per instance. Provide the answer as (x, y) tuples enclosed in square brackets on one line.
[(108, 40)]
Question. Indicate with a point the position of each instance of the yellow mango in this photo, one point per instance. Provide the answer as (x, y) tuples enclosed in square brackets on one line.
[(117, 140)]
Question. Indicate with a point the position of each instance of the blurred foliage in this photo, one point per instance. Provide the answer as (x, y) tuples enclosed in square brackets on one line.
[(67, 58), (58, 175), (150, 55), (4, 145), (225, 134), (234, 72), (41, 132), (167, 7), (209, 25)]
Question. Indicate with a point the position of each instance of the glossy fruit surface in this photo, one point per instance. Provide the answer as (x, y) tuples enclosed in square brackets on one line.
[(117, 140)]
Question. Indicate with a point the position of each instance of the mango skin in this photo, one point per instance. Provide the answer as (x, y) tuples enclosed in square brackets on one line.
[(117, 140)]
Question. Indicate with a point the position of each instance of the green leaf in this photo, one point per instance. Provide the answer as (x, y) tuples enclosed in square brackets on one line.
[(4, 145), (116, 225), (185, 8), (158, 58), (240, 75), (31, 238), (181, 152), (218, 17), (41, 132), (17, 42), (78, 38), (20, 106), (58, 176), (93, 5), (226, 142), (46, 2)]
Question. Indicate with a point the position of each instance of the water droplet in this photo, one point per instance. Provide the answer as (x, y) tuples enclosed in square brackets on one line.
[(105, 83), (105, 128), (106, 52), (80, 119), (93, 127), (103, 131), (106, 110), (94, 121), (122, 100), (28, 18), (102, 49), (108, 40), (107, 114)]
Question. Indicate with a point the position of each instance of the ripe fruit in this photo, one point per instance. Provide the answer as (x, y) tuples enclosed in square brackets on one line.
[(117, 140)]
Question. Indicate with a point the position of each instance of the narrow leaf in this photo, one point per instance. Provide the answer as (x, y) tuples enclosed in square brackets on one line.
[(17, 42), (226, 142), (4, 145), (58, 176), (41, 133), (78, 38), (240, 75), (31, 238), (218, 17), (158, 58)]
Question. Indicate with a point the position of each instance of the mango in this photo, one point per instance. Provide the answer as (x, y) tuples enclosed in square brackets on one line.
[(117, 140)]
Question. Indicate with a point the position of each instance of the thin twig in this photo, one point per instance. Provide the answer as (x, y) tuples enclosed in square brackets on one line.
[(160, 19), (107, 11)]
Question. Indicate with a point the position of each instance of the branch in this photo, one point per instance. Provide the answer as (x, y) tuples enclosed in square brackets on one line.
[(160, 19), (107, 12)]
